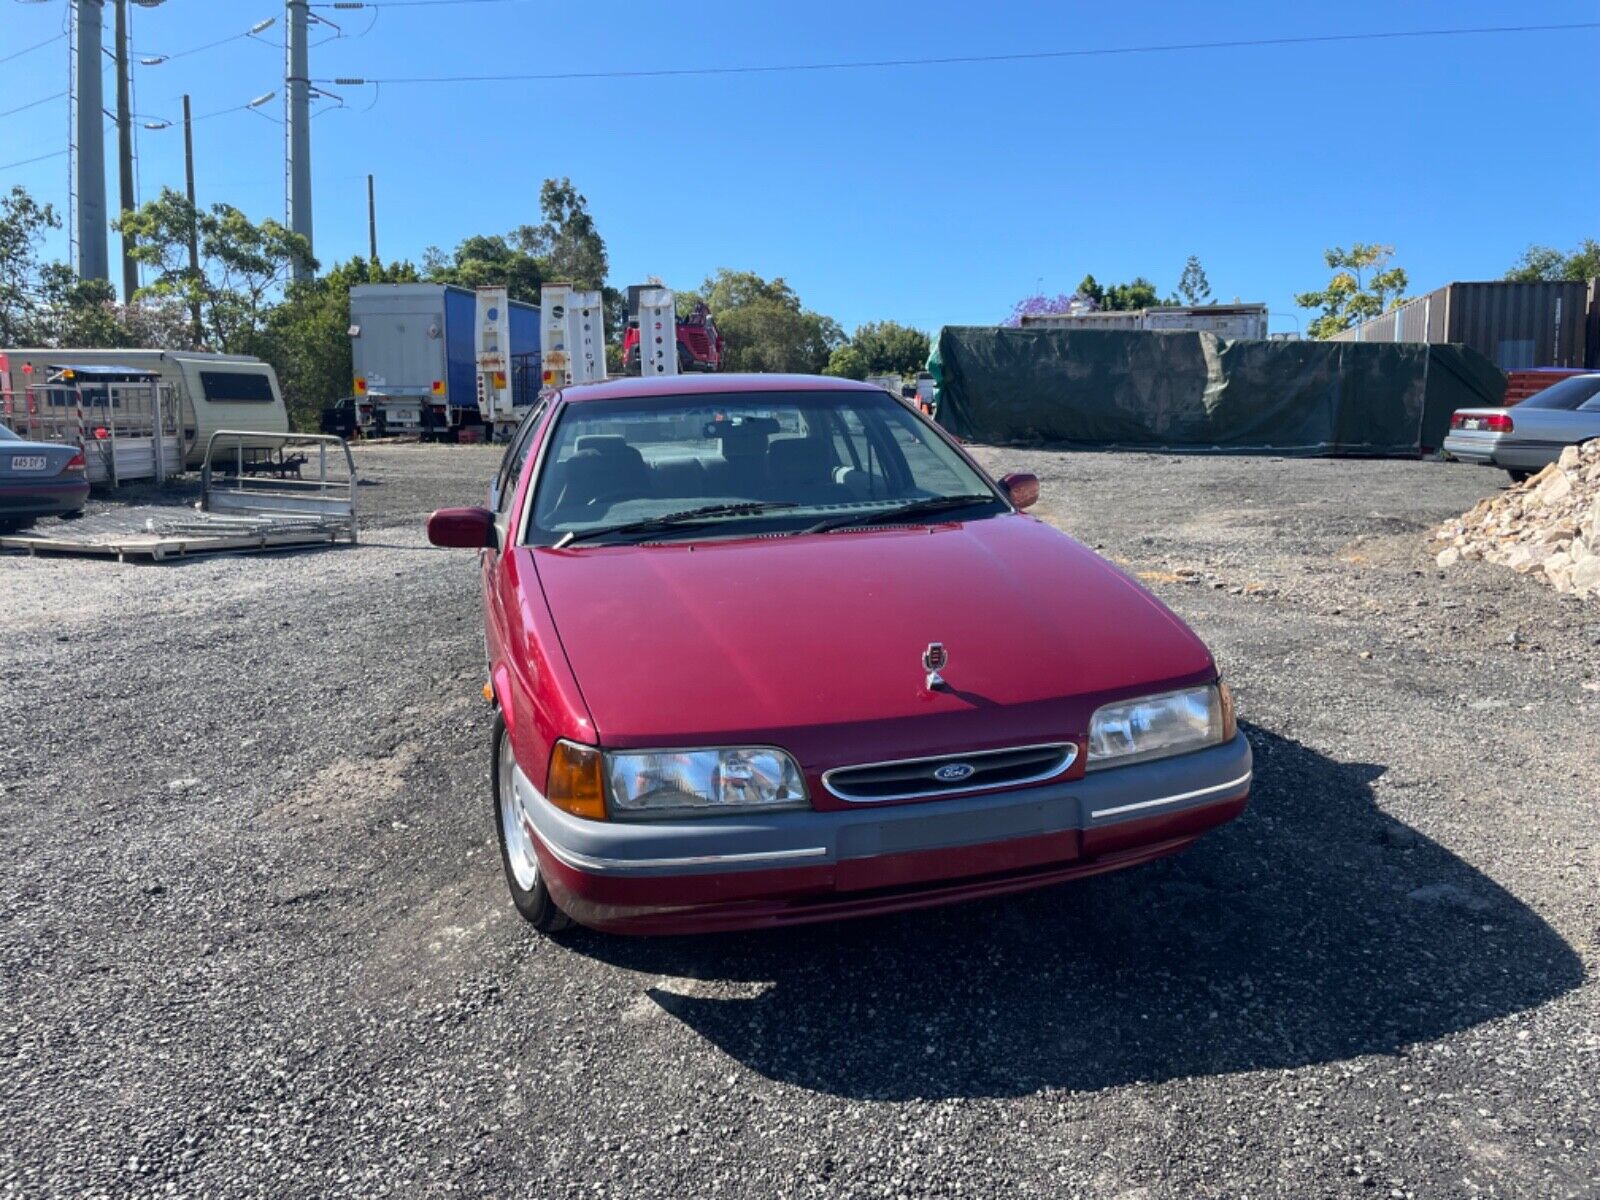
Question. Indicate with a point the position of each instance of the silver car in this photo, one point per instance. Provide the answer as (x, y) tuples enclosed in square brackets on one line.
[(1530, 436), (39, 479)]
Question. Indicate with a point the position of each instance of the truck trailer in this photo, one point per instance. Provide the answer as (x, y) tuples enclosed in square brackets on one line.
[(415, 356), (1225, 320)]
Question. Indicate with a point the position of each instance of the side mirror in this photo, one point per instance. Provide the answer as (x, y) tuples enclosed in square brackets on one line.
[(1021, 488), (462, 528)]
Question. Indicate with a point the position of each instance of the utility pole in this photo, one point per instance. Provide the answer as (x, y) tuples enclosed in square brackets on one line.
[(89, 151), (130, 269), (372, 224), (297, 125), (194, 222)]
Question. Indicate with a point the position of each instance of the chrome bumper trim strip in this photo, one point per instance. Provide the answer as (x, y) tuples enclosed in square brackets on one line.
[(1179, 798)]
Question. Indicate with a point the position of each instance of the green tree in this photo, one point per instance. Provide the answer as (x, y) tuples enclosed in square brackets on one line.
[(23, 299), (1138, 293), (307, 337), (1540, 263), (764, 327), (243, 265), (847, 363), (44, 303), (488, 259), (889, 348), (1363, 286), (84, 313), (1193, 286), (567, 243)]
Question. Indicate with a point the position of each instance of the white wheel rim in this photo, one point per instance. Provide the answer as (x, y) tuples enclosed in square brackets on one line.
[(520, 855)]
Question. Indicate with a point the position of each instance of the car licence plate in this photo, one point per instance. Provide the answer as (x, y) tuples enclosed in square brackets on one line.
[(29, 462)]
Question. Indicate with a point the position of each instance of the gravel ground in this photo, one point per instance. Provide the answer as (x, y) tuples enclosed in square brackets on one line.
[(254, 940)]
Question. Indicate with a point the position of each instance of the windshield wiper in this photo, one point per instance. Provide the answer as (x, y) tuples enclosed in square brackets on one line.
[(687, 516), (916, 508)]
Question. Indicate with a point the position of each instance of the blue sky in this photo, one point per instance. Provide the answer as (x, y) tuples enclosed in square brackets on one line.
[(931, 195)]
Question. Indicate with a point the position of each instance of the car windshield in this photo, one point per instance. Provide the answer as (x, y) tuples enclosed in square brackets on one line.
[(1566, 395), (779, 460)]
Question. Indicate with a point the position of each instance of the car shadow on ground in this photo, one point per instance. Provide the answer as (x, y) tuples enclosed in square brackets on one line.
[(1313, 929)]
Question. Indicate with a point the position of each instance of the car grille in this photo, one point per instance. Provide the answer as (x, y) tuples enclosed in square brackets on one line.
[(949, 774)]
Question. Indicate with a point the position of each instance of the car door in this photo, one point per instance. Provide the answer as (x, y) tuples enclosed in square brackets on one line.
[(1559, 427), (1586, 418), (504, 492)]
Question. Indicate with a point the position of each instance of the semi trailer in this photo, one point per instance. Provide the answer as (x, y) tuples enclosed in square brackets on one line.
[(696, 338), (415, 351)]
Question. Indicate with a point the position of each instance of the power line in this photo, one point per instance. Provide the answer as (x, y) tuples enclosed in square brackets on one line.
[(953, 59), (24, 162), (232, 37), (36, 46), (219, 112), (32, 104), (349, 5)]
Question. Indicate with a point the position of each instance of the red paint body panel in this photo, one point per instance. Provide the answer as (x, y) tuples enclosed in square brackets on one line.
[(867, 887), (815, 642)]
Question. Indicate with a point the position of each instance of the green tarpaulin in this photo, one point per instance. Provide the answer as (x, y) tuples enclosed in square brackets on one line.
[(1196, 391)]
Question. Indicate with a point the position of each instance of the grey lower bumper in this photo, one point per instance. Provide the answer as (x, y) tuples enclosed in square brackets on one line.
[(780, 839), (1470, 449)]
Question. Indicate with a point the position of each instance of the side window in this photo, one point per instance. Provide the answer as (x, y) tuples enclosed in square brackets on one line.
[(1592, 404), (522, 441), (236, 387)]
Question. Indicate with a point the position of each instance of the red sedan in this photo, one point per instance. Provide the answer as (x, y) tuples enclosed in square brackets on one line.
[(772, 649)]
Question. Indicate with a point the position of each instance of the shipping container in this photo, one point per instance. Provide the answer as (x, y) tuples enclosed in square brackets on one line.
[(1517, 326), (1224, 320), (414, 353)]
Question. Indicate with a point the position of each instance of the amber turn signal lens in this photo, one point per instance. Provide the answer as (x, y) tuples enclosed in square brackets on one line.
[(1230, 724), (576, 784)]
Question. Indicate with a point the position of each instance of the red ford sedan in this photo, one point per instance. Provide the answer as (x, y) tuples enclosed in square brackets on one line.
[(772, 649)]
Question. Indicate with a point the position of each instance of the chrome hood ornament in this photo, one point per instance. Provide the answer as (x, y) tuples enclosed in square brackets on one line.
[(934, 660)]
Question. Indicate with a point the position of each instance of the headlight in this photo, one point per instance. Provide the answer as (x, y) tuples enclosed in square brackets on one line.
[(1158, 726), (703, 782)]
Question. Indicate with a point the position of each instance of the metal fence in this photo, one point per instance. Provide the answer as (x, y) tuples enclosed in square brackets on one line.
[(127, 430)]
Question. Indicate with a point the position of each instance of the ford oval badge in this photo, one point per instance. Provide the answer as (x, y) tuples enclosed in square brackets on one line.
[(954, 772)]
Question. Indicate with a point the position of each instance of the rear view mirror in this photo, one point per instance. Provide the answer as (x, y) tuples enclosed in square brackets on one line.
[(462, 528), (1021, 488)]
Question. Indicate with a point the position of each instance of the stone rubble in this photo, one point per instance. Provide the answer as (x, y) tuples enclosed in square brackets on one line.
[(1547, 526)]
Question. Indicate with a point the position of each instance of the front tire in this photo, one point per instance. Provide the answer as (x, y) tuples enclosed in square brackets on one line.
[(518, 858), (1518, 476)]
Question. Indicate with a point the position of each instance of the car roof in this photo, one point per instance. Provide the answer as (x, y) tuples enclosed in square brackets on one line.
[(674, 386)]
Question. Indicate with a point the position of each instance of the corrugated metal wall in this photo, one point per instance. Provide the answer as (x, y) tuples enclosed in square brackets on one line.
[(1516, 325), (1522, 324)]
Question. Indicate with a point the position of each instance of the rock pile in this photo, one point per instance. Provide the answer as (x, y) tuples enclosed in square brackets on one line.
[(1548, 526)]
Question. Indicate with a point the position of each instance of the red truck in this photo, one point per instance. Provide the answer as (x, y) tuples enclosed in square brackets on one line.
[(699, 341)]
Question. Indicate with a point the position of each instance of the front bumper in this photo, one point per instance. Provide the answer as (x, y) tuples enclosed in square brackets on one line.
[(795, 867)]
